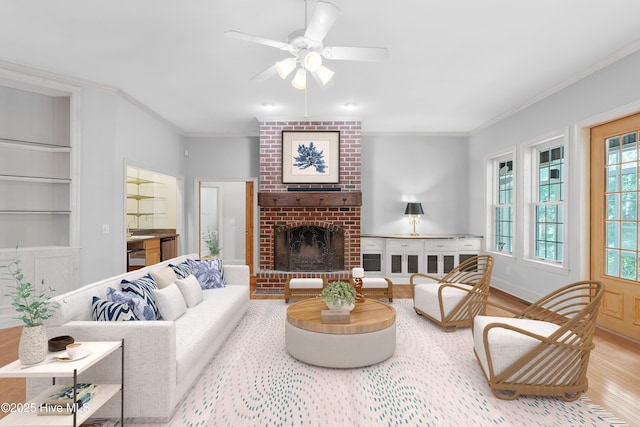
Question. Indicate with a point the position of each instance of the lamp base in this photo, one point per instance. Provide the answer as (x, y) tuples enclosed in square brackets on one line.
[(357, 281)]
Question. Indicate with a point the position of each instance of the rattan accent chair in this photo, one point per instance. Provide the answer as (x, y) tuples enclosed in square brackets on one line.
[(448, 300), (544, 349)]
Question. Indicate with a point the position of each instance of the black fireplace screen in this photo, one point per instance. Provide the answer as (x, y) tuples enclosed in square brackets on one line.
[(309, 248)]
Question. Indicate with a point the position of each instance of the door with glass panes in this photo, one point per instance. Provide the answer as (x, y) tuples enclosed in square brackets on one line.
[(615, 222)]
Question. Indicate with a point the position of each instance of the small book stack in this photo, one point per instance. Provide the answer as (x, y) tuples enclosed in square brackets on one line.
[(61, 401)]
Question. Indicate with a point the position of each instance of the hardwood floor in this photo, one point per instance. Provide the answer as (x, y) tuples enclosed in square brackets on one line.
[(614, 369)]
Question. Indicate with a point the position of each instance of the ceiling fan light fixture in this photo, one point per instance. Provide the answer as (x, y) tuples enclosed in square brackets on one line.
[(300, 79), (285, 67), (312, 61), (324, 74)]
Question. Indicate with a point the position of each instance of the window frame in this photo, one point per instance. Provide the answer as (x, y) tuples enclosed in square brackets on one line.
[(493, 189), (532, 154)]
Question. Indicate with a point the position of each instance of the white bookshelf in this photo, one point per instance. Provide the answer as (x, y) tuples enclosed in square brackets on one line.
[(25, 415)]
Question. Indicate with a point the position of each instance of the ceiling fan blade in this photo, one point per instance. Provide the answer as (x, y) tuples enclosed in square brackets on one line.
[(373, 54), (257, 39), (324, 15), (266, 74)]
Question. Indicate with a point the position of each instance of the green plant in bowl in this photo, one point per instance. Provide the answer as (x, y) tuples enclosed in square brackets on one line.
[(339, 295)]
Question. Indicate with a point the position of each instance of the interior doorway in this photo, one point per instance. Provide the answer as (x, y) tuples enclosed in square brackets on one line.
[(226, 215), (615, 222)]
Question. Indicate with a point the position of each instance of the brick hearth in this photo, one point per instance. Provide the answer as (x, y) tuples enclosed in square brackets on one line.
[(320, 206)]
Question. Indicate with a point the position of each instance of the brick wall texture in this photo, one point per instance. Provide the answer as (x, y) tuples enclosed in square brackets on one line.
[(271, 181)]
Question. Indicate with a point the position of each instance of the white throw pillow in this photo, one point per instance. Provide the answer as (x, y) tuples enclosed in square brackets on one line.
[(164, 277), (171, 304), (191, 290)]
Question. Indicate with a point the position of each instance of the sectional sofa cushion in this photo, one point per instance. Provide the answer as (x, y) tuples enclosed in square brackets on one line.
[(207, 325), (191, 290), (183, 269), (141, 310), (210, 273), (110, 311), (164, 277), (143, 288), (171, 304)]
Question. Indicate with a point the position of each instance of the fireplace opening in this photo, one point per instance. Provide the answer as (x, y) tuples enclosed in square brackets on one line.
[(309, 248)]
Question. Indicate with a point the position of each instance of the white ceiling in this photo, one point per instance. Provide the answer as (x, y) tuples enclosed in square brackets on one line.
[(455, 65)]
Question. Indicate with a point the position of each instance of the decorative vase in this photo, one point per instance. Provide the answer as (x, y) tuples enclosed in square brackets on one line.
[(33, 345), (340, 305)]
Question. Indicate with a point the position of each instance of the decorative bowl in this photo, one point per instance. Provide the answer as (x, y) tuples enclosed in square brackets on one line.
[(60, 343)]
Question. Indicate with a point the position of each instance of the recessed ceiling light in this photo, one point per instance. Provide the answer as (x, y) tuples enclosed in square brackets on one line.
[(350, 105), (269, 106)]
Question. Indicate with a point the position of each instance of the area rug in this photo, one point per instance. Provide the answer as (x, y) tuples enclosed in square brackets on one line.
[(433, 379)]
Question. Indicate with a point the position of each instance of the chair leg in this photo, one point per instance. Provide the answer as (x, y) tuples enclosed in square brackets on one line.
[(571, 397), (506, 394)]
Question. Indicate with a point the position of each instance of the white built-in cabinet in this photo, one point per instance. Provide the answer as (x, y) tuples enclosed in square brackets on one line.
[(404, 257), (397, 257)]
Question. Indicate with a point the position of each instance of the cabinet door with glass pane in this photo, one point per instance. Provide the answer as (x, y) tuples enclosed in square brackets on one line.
[(404, 257), (372, 256)]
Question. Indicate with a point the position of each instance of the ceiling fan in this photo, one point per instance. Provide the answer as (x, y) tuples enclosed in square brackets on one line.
[(307, 50)]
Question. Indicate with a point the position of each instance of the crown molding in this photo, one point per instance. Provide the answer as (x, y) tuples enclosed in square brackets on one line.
[(25, 77), (616, 56), (417, 133), (309, 119)]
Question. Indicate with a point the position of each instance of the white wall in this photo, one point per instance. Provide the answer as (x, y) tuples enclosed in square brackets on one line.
[(432, 170), (604, 95), (115, 131), (221, 160)]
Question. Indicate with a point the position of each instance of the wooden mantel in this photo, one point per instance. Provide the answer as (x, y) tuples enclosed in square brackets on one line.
[(310, 199)]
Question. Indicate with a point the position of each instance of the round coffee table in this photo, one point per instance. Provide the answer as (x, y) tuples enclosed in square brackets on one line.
[(369, 338)]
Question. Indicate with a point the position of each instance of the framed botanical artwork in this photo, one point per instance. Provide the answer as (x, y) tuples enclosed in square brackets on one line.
[(310, 157)]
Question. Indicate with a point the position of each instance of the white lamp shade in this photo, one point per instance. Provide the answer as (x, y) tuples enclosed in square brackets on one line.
[(324, 74), (357, 272), (300, 79), (285, 67), (312, 61)]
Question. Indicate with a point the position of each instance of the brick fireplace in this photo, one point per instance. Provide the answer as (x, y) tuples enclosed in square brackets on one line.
[(326, 217)]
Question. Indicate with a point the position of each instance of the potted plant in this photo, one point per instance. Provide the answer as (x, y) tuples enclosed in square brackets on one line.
[(34, 307), (211, 240), (339, 296)]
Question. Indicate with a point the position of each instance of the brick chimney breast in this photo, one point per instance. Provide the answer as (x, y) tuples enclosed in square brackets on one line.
[(332, 206)]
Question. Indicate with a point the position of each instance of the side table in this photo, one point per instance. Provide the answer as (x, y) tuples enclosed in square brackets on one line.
[(25, 414)]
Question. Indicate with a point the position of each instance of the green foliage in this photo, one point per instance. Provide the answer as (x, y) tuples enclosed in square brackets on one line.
[(32, 304), (339, 291), (211, 240)]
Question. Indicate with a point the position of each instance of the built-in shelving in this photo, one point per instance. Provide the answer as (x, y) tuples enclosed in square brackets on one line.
[(145, 198), (35, 169)]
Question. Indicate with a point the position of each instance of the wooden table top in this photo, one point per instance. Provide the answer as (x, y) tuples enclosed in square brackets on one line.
[(368, 316)]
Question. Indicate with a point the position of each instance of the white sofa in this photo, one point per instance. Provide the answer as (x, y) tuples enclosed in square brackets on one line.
[(162, 358)]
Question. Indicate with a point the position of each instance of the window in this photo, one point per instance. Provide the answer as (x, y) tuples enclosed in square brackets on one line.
[(503, 240), (621, 206), (549, 204)]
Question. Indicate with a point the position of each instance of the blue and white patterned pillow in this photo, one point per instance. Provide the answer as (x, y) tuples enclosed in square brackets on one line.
[(210, 273), (183, 269), (139, 306), (102, 309), (143, 288)]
